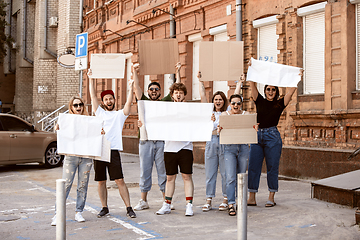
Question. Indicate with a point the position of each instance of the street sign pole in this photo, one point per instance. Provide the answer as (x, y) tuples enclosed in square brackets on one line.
[(81, 49)]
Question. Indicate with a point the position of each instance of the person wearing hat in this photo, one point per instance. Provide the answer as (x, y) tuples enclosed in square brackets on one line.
[(113, 124), (151, 152)]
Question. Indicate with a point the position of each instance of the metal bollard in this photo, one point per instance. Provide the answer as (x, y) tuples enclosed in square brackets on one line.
[(60, 210), (242, 206)]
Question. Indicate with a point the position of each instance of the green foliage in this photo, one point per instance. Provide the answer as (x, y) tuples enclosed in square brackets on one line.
[(5, 40)]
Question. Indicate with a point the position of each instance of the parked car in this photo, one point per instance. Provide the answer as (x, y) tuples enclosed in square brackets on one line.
[(21, 142)]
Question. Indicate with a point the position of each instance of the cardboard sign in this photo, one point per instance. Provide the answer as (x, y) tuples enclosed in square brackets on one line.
[(238, 129), (158, 56), (221, 61), (178, 121), (274, 74), (107, 65)]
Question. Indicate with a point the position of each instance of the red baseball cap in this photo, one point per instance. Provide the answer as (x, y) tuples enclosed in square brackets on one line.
[(106, 92)]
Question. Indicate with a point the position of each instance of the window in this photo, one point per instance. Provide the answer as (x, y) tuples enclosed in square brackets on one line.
[(146, 84), (195, 39), (267, 41), (314, 47), (168, 81), (14, 124), (357, 14)]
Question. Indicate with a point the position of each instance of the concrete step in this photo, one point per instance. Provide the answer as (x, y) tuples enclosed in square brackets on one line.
[(342, 189)]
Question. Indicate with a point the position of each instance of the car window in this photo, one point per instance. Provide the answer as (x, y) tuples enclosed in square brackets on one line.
[(14, 124)]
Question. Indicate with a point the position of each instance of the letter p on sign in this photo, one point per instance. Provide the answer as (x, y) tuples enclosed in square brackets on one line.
[(81, 45)]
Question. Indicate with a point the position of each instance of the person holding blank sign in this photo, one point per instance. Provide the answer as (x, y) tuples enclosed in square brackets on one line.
[(269, 144), (150, 152), (235, 155), (214, 152)]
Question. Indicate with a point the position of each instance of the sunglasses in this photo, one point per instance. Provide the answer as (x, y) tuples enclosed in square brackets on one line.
[(154, 89), (270, 89), (238, 103), (78, 105)]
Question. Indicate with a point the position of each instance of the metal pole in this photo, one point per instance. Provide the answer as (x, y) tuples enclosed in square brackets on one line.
[(60, 210), (81, 83), (238, 20), (172, 33), (242, 206)]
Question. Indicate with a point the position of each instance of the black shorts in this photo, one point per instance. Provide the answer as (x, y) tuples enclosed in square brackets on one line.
[(183, 159), (114, 168)]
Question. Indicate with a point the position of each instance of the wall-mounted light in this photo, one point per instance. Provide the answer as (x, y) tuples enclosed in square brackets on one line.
[(129, 21), (158, 9)]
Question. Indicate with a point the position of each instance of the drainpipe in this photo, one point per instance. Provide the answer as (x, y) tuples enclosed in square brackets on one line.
[(8, 33), (24, 33), (172, 32), (238, 20), (45, 32)]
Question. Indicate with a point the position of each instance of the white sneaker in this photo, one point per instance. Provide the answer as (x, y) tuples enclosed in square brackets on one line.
[(189, 211), (53, 221), (172, 207), (79, 217), (141, 205), (165, 209)]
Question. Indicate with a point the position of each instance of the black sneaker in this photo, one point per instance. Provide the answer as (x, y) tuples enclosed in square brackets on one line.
[(130, 212), (104, 211)]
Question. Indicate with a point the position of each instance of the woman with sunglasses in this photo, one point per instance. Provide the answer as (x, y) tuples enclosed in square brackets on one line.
[(214, 153), (269, 144), (73, 163), (235, 155)]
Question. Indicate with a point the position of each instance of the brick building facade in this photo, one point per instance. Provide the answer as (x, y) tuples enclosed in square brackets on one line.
[(42, 30), (319, 128)]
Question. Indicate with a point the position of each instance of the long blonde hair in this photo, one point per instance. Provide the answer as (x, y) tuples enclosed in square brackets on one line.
[(84, 111)]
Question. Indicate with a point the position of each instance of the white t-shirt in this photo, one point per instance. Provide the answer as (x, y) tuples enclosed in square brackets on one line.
[(113, 125), (176, 146), (216, 122)]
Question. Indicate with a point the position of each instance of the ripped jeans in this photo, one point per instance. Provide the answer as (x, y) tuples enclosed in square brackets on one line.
[(83, 165)]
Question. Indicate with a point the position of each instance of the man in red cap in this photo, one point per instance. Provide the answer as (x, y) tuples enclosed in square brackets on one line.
[(113, 124)]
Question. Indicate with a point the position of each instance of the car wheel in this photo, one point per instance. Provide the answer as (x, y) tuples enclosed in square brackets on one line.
[(52, 158)]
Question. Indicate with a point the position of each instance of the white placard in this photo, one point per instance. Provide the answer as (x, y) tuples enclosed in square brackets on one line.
[(273, 74), (107, 65), (80, 135), (173, 121)]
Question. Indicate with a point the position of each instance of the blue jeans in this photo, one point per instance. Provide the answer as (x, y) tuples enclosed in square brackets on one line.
[(214, 159), (83, 165), (236, 157), (269, 146), (150, 152)]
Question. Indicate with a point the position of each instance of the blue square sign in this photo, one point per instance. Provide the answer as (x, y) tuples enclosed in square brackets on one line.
[(81, 45)]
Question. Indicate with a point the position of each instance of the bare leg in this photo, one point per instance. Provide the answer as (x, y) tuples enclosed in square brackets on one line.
[(252, 198), (144, 196), (188, 185), (124, 192), (170, 185), (102, 193), (272, 196)]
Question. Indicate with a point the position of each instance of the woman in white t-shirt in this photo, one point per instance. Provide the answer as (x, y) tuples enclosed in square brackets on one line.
[(214, 152), (236, 156)]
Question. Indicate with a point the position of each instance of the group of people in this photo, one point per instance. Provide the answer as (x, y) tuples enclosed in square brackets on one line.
[(171, 156)]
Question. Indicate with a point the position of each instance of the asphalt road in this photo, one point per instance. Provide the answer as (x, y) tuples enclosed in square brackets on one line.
[(27, 201)]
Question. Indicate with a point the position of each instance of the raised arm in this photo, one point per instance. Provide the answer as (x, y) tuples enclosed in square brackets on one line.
[(201, 89), (127, 105), (137, 88), (178, 67), (239, 84), (290, 91), (94, 101)]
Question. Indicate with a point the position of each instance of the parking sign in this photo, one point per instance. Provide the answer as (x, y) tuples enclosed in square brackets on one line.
[(81, 45)]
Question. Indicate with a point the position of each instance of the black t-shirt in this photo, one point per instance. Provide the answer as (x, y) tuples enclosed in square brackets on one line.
[(268, 112)]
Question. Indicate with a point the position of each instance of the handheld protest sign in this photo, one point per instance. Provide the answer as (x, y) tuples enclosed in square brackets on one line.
[(238, 129), (107, 65), (158, 56)]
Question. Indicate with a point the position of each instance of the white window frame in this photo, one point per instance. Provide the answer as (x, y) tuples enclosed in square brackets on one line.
[(304, 12), (195, 39)]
